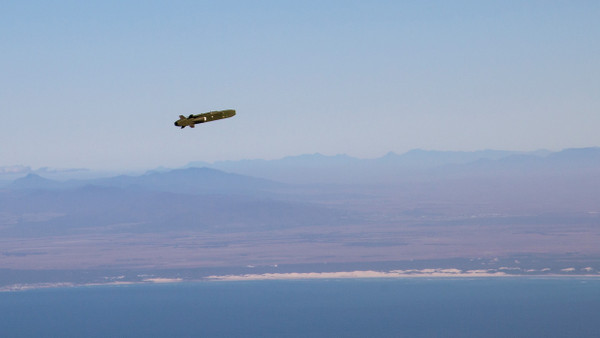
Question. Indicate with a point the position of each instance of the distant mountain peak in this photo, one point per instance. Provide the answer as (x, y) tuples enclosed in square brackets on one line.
[(32, 177), (34, 181)]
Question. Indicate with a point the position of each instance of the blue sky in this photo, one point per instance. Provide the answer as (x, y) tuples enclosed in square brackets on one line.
[(98, 84)]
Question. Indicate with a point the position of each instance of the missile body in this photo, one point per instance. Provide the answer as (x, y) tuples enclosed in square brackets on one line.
[(192, 120)]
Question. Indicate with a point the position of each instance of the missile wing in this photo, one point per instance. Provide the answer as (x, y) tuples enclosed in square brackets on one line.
[(193, 120)]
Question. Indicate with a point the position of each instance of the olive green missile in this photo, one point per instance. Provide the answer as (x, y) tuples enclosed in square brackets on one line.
[(193, 120)]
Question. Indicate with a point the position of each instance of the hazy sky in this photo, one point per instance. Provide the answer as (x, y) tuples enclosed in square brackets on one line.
[(98, 84)]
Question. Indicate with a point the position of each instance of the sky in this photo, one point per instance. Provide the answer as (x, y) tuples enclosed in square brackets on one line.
[(98, 84)]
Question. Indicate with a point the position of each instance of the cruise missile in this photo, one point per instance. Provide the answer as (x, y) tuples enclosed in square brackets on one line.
[(193, 120)]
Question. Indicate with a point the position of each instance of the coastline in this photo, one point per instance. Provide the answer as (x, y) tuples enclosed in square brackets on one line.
[(295, 276)]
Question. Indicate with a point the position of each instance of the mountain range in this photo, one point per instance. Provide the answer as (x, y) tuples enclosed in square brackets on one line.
[(415, 164), (255, 176)]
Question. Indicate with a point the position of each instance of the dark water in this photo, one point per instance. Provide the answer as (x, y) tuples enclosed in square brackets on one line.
[(316, 308)]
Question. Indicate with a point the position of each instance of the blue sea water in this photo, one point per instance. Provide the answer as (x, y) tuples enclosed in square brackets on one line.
[(516, 307)]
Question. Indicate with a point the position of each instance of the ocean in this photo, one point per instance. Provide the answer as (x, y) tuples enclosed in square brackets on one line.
[(420, 307)]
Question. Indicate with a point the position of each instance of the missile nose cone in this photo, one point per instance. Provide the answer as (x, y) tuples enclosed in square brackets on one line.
[(176, 125)]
